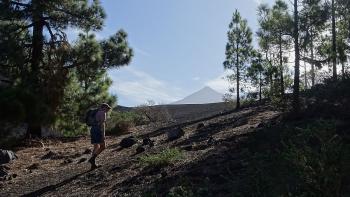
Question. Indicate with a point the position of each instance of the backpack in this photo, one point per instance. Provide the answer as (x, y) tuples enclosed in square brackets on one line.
[(90, 118)]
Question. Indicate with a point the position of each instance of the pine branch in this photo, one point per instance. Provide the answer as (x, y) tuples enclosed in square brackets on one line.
[(309, 60), (20, 4)]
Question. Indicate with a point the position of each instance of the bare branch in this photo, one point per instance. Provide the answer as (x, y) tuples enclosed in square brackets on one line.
[(50, 30)]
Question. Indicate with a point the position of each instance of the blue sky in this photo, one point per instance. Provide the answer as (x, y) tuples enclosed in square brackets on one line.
[(179, 46)]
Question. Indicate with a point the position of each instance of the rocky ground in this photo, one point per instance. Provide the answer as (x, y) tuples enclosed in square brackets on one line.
[(215, 156)]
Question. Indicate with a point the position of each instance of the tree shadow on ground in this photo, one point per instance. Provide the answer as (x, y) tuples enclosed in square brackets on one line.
[(207, 131), (161, 131), (55, 186), (208, 171)]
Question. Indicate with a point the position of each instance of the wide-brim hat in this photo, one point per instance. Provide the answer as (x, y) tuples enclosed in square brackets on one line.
[(106, 105)]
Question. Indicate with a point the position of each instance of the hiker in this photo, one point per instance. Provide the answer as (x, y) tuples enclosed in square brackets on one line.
[(98, 132)]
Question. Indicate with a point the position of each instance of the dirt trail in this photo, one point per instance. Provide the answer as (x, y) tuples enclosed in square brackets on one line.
[(215, 151)]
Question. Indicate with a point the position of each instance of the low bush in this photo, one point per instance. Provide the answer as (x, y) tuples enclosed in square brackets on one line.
[(121, 122), (312, 160), (163, 158)]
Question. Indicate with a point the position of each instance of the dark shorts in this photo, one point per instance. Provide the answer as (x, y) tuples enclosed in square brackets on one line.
[(96, 135)]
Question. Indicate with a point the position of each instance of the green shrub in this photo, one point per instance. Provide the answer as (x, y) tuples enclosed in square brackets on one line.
[(311, 160), (120, 127), (163, 158), (120, 122), (18, 105), (181, 191), (315, 153)]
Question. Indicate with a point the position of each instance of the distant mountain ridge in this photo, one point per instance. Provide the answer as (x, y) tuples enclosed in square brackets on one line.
[(203, 96)]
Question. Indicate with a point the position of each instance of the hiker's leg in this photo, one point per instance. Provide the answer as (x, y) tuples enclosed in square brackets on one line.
[(92, 160), (96, 149), (102, 147), (102, 142)]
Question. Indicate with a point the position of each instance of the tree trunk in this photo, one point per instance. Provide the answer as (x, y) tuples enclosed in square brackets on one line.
[(343, 70), (238, 104), (260, 84), (271, 77), (281, 66), (38, 38), (334, 47), (37, 55), (305, 77), (33, 131), (312, 57), (296, 101)]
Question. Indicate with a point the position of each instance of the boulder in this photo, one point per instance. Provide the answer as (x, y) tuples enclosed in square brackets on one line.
[(3, 171), (52, 155), (128, 142), (147, 141), (34, 166), (200, 126), (187, 147), (261, 125), (6, 156), (140, 149), (175, 133), (164, 174), (211, 141), (151, 144)]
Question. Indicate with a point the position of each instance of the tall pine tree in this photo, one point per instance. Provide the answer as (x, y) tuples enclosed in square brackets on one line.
[(238, 49), (38, 29), (296, 87)]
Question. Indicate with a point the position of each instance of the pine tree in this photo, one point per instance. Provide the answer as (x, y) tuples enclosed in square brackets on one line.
[(274, 34), (296, 87), (334, 41), (265, 44), (38, 28), (238, 49), (343, 40), (256, 72), (313, 15), (281, 28)]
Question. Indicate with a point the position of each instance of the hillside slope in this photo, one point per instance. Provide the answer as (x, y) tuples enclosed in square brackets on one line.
[(208, 153), (254, 151)]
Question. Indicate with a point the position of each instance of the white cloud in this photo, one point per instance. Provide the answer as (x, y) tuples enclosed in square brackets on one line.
[(139, 87)]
